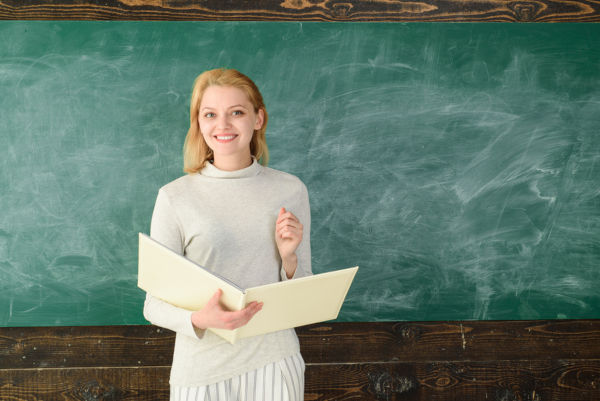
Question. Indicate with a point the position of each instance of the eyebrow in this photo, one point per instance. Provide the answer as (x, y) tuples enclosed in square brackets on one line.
[(230, 107)]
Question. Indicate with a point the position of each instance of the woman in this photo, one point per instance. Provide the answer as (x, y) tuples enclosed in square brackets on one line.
[(249, 223)]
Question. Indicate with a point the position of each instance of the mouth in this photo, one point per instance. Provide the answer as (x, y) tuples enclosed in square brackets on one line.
[(225, 138)]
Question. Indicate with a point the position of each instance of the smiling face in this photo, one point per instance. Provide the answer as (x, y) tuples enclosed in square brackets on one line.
[(227, 121)]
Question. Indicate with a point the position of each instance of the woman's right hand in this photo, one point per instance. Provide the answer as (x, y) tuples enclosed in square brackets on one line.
[(213, 315)]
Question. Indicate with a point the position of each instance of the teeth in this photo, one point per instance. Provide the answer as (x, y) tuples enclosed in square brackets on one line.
[(226, 137)]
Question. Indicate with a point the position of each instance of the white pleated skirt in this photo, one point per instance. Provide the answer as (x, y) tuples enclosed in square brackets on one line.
[(278, 381)]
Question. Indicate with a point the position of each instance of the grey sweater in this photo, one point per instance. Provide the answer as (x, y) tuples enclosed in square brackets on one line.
[(225, 221)]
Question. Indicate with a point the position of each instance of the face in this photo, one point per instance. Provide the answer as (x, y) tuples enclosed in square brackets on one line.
[(227, 121)]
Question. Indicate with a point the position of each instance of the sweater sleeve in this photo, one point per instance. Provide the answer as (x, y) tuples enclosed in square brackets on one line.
[(165, 228), (303, 252)]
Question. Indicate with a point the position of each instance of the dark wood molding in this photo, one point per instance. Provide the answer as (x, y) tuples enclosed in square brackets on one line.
[(512, 360), (305, 10)]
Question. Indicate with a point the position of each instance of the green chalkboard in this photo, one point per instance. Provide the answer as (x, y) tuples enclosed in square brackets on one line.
[(457, 164)]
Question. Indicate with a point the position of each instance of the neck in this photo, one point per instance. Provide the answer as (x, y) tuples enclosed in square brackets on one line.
[(232, 164)]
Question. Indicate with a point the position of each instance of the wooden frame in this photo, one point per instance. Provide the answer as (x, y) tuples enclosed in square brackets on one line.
[(306, 10), (434, 361)]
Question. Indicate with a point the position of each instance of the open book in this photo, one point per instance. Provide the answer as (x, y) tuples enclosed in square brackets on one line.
[(183, 283)]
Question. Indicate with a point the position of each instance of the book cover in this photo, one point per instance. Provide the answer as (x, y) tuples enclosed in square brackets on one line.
[(286, 304)]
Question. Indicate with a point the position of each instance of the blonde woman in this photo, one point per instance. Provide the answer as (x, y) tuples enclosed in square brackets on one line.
[(245, 221)]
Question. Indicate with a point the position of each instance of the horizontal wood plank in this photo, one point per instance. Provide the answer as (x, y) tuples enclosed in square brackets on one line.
[(73, 347), (469, 341), (85, 384), (351, 342), (440, 381), (571, 380), (306, 10)]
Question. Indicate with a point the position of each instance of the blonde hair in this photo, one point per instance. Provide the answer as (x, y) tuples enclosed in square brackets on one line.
[(195, 150)]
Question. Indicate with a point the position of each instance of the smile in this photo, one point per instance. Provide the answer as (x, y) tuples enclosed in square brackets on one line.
[(225, 137)]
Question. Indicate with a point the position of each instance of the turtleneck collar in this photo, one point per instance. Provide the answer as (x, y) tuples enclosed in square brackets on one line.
[(252, 170)]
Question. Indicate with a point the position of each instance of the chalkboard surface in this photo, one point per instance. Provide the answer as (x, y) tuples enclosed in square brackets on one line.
[(457, 164)]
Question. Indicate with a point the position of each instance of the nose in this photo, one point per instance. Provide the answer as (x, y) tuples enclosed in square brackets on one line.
[(223, 121)]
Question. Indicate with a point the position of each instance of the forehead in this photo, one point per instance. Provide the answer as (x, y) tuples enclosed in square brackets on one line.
[(223, 96)]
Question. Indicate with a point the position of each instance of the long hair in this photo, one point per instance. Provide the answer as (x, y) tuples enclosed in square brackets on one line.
[(195, 150)]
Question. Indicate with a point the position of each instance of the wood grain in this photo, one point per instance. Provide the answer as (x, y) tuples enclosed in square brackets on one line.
[(75, 347), (483, 360), (507, 380), (87, 384), (473, 341), (306, 10)]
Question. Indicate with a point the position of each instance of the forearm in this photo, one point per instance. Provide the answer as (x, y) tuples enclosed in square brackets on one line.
[(163, 314), (290, 265)]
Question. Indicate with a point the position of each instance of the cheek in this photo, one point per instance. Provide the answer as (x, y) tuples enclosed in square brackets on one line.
[(251, 127), (205, 134), (204, 127)]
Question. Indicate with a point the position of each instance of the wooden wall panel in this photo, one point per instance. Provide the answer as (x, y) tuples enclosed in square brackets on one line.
[(433, 361), (306, 10)]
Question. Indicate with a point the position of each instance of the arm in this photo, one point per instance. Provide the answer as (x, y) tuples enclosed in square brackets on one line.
[(194, 324), (292, 236), (166, 229)]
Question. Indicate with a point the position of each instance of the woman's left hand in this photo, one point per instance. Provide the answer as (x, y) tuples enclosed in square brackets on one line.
[(288, 235)]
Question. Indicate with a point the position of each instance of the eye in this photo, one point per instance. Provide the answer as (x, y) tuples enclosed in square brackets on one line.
[(210, 114), (237, 113)]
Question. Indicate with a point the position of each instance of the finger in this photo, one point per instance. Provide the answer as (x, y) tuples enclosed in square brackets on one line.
[(283, 214), (292, 236), (253, 313), (289, 230), (215, 299), (290, 239), (254, 305), (289, 223), (289, 219), (253, 308), (243, 316), (286, 235)]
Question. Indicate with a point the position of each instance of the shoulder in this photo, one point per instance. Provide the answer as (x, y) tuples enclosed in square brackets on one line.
[(176, 190), (283, 178), (178, 185)]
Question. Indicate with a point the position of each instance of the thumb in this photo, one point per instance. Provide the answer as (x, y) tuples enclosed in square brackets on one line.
[(281, 211), (214, 300)]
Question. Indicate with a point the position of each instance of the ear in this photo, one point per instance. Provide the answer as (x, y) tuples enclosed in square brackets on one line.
[(260, 119)]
